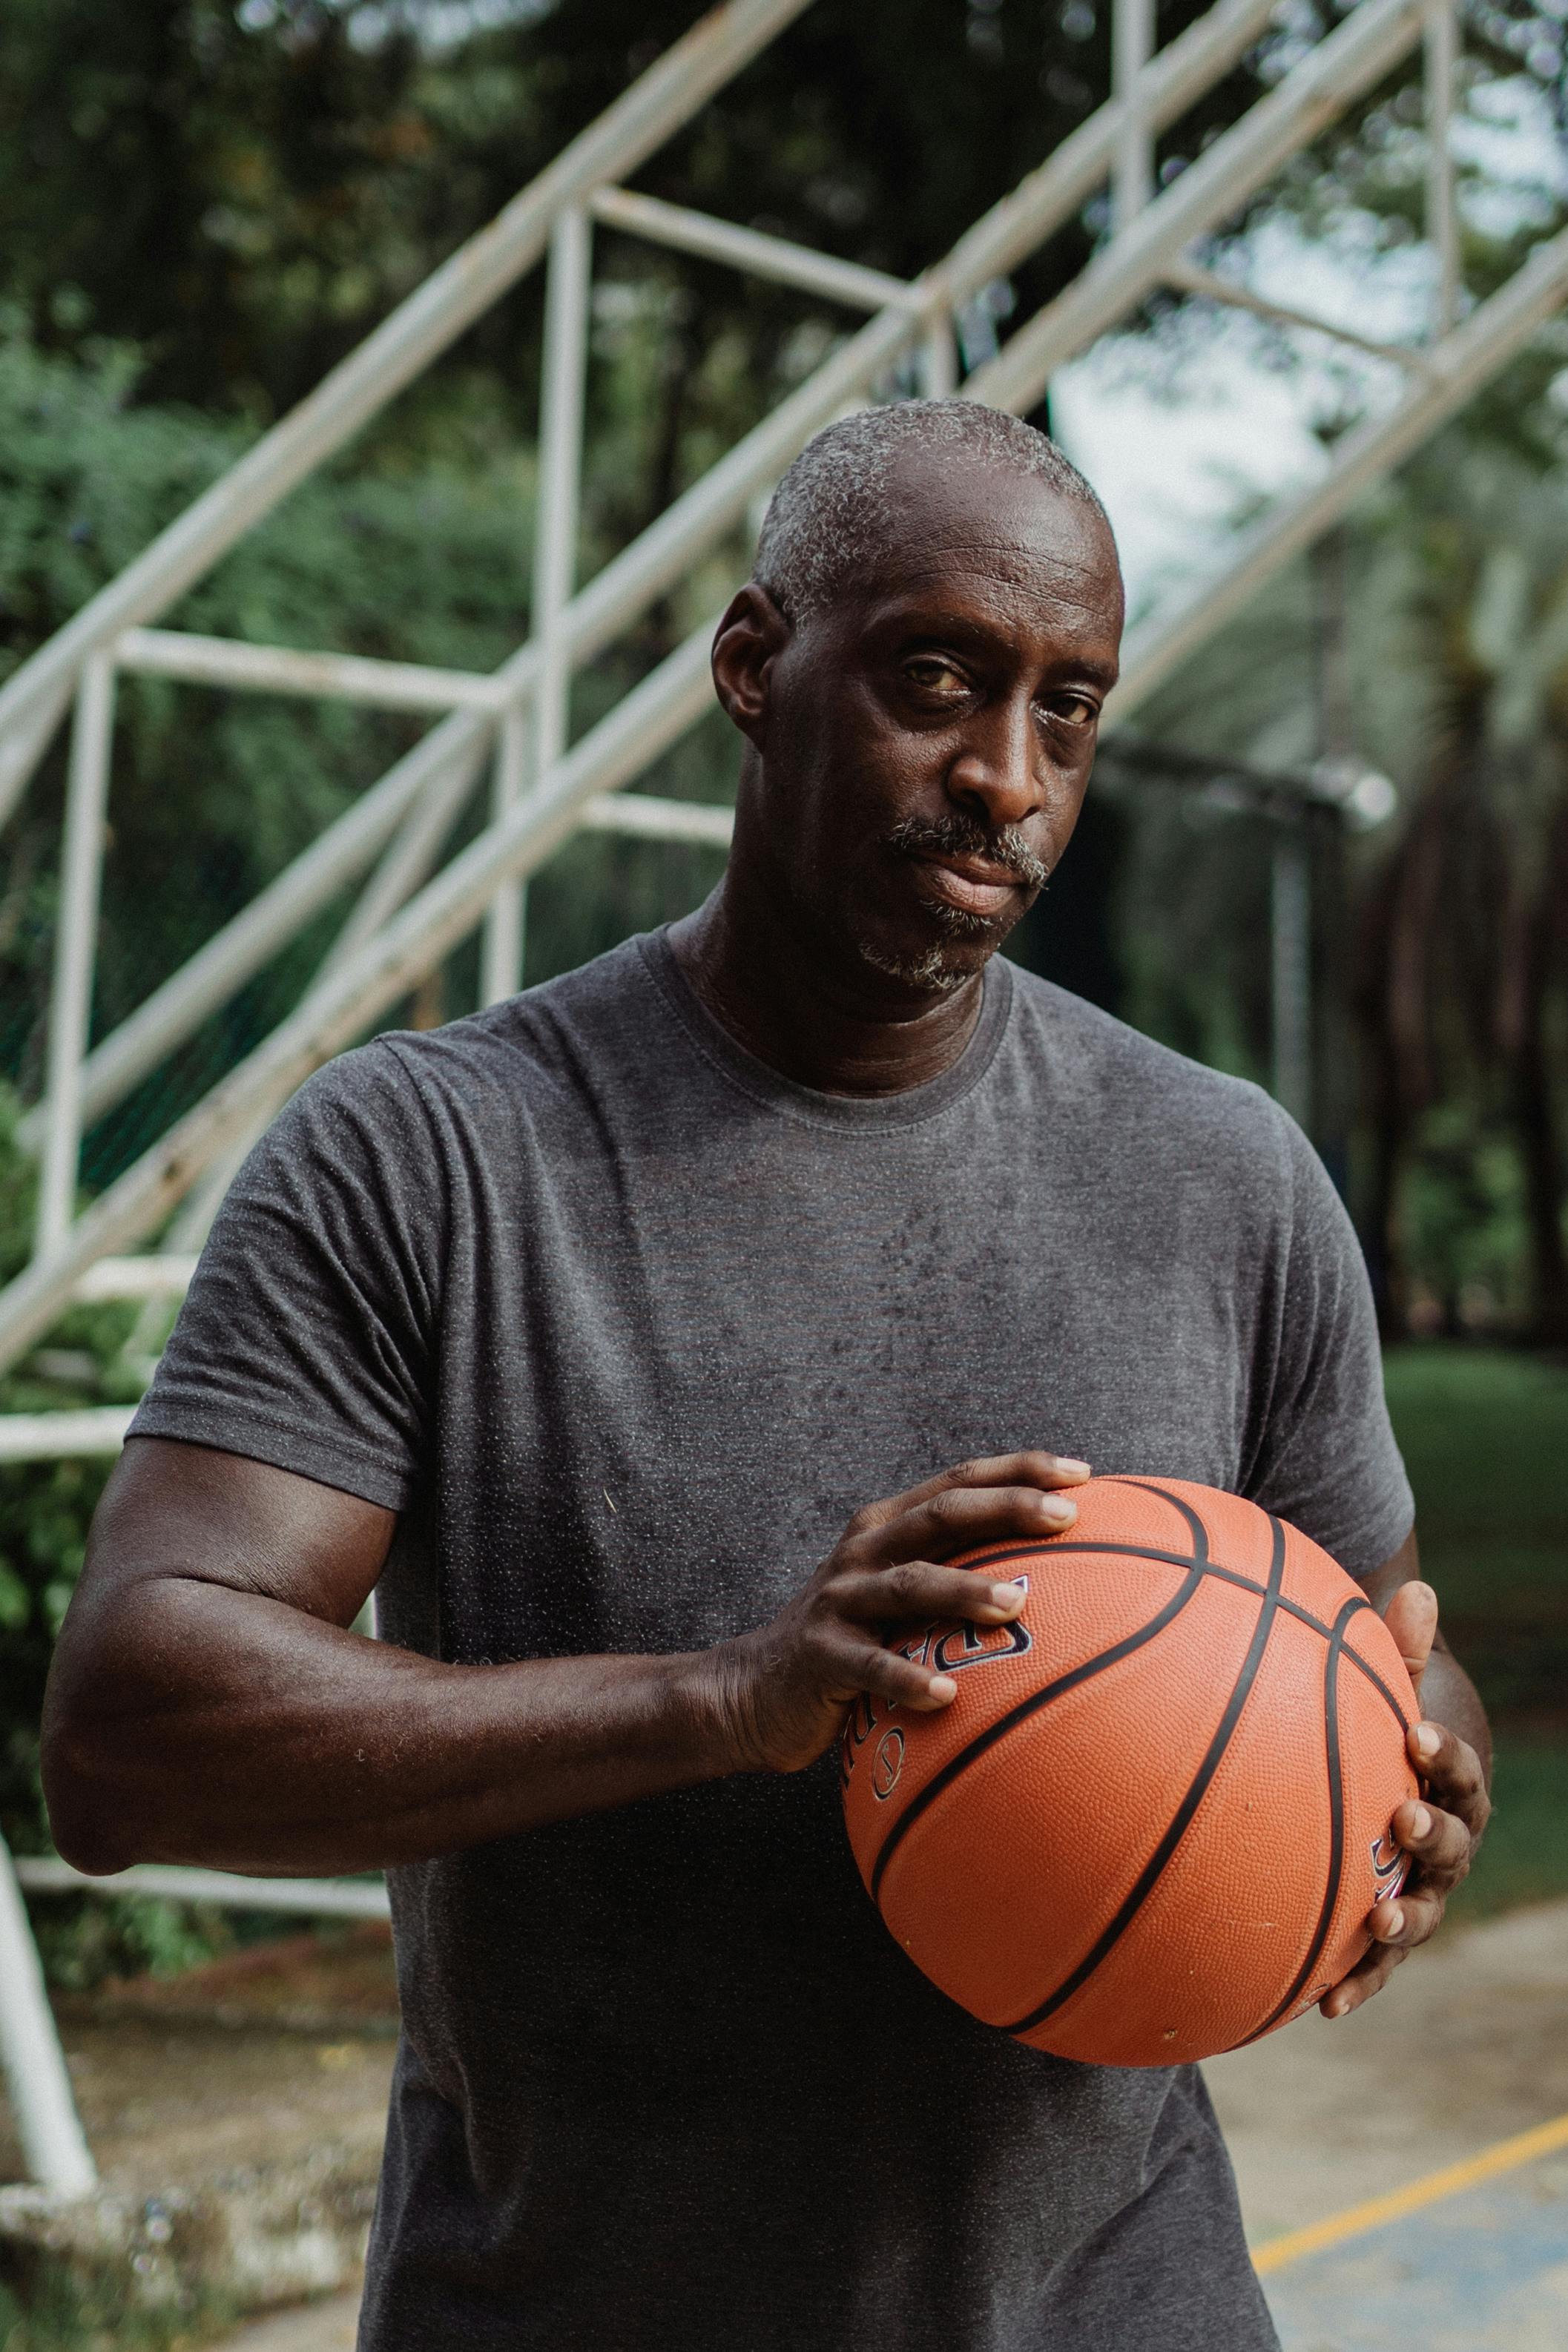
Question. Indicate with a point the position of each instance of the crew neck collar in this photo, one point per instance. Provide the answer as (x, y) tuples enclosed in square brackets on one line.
[(806, 1105)]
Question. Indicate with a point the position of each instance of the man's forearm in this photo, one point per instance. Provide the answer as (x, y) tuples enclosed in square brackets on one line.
[(1448, 1697), (208, 1725)]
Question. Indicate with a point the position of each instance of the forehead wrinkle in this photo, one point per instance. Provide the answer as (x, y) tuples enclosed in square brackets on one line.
[(1011, 606), (1076, 572)]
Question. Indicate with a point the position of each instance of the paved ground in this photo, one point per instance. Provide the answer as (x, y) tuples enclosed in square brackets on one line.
[(1484, 2272), (1467, 2046)]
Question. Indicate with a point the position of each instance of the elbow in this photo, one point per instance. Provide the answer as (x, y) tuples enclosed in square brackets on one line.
[(78, 1782), (83, 1833)]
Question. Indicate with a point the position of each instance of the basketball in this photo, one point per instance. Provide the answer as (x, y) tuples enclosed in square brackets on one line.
[(1152, 1822)]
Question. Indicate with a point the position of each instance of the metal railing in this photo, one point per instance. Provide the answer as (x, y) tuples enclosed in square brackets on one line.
[(412, 909)]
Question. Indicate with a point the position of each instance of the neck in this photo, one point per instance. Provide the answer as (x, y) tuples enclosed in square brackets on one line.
[(785, 1001)]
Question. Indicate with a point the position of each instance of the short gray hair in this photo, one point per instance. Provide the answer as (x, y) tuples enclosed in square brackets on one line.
[(833, 514)]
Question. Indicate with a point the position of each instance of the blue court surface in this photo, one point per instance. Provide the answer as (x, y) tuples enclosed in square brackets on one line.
[(1485, 2271)]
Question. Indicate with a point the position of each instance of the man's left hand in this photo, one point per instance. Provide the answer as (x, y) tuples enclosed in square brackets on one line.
[(1439, 1830)]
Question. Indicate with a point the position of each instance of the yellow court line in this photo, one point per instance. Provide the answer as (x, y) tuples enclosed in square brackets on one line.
[(1503, 2157)]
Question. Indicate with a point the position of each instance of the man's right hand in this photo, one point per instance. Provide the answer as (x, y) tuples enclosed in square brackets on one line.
[(784, 1687)]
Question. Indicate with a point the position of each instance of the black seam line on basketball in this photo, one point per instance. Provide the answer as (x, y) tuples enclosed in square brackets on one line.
[(1198, 1558), (1295, 1609), (1199, 1531), (1336, 1870), (1020, 1713), (1197, 1788)]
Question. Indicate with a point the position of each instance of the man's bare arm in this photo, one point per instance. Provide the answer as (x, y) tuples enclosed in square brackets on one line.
[(210, 1703), (1451, 1750)]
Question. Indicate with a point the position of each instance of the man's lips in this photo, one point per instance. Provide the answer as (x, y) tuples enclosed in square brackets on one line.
[(973, 884)]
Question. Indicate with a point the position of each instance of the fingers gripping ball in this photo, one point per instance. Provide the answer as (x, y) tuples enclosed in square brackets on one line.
[(1150, 1824)]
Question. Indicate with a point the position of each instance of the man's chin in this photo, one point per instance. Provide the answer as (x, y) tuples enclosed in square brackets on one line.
[(942, 965)]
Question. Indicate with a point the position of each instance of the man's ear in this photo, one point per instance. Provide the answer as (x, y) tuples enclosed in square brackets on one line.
[(750, 632)]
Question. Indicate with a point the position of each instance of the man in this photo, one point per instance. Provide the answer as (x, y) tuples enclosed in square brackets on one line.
[(589, 1332)]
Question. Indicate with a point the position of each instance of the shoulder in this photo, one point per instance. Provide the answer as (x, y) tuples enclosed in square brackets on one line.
[(1118, 1082), (521, 1055)]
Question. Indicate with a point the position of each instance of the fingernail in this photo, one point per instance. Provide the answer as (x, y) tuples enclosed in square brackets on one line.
[(1427, 1741), (941, 1688), (1053, 1507), (1006, 1600), (1395, 1923), (1420, 1822), (1070, 1462)]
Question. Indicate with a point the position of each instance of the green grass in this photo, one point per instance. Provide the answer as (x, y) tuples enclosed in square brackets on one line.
[(63, 2311), (1484, 1434)]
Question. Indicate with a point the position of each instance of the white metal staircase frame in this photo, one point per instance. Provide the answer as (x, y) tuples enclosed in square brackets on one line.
[(412, 909)]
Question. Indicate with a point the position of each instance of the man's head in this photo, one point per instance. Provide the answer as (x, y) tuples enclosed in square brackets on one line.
[(918, 667)]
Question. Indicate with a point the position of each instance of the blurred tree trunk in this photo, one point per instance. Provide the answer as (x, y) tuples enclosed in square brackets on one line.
[(1541, 943), (1393, 997), (1430, 981)]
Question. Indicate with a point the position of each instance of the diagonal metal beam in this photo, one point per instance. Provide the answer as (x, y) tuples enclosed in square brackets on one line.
[(1458, 367), (417, 331), (1187, 277)]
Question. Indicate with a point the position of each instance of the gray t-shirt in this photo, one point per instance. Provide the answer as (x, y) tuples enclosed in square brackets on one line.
[(625, 1326)]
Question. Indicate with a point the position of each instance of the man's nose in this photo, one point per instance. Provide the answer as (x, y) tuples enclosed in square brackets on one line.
[(996, 774)]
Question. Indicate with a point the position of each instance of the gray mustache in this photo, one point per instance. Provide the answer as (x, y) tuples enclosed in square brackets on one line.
[(954, 836)]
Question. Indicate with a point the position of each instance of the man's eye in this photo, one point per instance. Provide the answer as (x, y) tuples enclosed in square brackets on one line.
[(939, 676), (1076, 708)]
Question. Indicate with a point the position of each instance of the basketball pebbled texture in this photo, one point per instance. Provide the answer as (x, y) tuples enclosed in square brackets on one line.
[(1152, 1822)]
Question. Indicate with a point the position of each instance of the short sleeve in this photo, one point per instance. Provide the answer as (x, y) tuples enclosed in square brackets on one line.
[(305, 1338), (1325, 1456)]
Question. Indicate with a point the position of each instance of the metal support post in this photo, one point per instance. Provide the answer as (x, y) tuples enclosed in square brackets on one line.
[(939, 360), (560, 468), (1292, 941), (1442, 49), (554, 569), (54, 2146), (76, 937), (1132, 47), (501, 949)]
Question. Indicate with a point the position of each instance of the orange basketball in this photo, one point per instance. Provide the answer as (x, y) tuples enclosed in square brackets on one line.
[(1152, 1822)]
